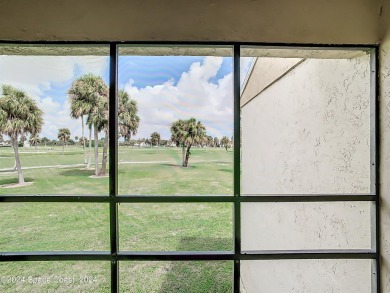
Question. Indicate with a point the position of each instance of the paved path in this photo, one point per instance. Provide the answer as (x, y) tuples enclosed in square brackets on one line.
[(120, 162)]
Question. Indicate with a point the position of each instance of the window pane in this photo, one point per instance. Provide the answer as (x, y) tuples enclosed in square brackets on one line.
[(179, 276), (48, 144), (176, 227), (296, 226), (285, 276), (162, 150), (59, 276), (305, 118), (54, 226)]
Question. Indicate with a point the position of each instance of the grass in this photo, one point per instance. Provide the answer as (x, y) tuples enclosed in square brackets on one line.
[(142, 226)]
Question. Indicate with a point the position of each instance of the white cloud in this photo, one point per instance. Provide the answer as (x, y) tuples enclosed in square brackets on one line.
[(193, 96), (56, 116), (37, 74)]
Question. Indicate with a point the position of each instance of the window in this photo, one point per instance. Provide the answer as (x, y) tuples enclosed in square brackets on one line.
[(274, 192)]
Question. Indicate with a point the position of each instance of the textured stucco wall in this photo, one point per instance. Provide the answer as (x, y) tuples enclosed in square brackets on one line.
[(321, 21), (308, 133), (306, 276), (312, 131), (385, 145), (295, 226)]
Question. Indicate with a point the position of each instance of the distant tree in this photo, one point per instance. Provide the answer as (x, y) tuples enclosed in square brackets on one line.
[(82, 141), (45, 140), (225, 142), (155, 139), (210, 141), (19, 114), (54, 142), (128, 120), (216, 142), (186, 133), (64, 136), (23, 138), (34, 141)]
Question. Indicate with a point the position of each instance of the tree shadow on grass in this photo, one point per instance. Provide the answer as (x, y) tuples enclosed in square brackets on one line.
[(200, 276), (226, 170), (77, 172), (14, 180)]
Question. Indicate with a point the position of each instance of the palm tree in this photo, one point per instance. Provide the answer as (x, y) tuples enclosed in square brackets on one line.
[(89, 96), (225, 142), (34, 141), (19, 114), (64, 136), (128, 120), (98, 117), (187, 133), (210, 141), (81, 141), (178, 135), (155, 138), (81, 104)]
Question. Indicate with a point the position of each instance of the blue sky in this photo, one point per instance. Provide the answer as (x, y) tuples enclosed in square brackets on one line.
[(166, 88), (151, 71)]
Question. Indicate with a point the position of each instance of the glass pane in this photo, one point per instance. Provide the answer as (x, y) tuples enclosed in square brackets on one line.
[(175, 120), (54, 226), (43, 276), (179, 276), (296, 226), (48, 144), (285, 276), (176, 227), (305, 118)]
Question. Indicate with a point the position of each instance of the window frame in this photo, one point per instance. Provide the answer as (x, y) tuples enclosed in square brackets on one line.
[(236, 256)]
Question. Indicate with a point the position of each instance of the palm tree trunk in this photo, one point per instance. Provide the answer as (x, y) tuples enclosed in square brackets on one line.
[(90, 148), (82, 135), (14, 140), (183, 155), (96, 138), (63, 145), (187, 156), (104, 159)]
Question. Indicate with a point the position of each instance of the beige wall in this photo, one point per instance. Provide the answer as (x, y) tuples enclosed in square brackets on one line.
[(385, 145), (307, 21), (306, 276), (309, 131)]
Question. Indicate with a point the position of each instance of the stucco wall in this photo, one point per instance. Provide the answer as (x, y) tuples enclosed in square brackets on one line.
[(385, 145), (306, 276), (308, 133), (321, 21)]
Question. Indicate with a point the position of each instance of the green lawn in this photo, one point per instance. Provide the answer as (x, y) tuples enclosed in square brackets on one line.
[(142, 226)]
